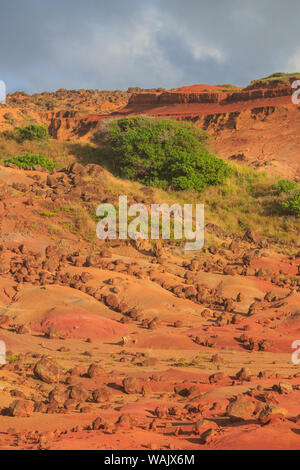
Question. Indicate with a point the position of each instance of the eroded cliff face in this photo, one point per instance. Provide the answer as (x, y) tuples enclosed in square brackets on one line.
[(222, 98), (265, 137), (214, 111)]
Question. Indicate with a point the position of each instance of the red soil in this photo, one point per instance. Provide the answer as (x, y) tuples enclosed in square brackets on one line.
[(180, 332)]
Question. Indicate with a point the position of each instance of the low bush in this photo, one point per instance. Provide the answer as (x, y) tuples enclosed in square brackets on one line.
[(163, 153), (292, 204), (284, 186), (32, 132)]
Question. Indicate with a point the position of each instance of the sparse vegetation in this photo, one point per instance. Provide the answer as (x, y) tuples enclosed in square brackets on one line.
[(292, 204), (104, 324), (246, 200), (32, 132), (281, 76), (80, 222), (193, 363), (13, 358), (284, 186), (49, 214), (289, 193)]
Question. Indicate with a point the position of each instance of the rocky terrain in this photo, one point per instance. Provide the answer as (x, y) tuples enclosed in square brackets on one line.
[(139, 345)]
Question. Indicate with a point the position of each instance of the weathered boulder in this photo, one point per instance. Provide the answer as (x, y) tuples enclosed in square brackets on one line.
[(21, 408), (47, 370), (131, 385), (241, 409)]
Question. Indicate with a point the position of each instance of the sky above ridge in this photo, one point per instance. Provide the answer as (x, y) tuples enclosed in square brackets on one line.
[(96, 44)]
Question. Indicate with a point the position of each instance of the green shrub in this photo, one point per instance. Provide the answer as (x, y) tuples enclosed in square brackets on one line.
[(276, 75), (49, 213), (163, 153), (13, 358), (32, 132), (292, 204), (284, 186), (29, 161)]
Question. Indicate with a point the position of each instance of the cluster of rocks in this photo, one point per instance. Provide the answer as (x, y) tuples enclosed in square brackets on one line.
[(254, 344), (67, 395)]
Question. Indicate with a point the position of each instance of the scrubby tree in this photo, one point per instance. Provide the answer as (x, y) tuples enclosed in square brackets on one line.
[(162, 153)]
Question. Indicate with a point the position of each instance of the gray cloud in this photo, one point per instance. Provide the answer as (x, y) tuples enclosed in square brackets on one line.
[(150, 43)]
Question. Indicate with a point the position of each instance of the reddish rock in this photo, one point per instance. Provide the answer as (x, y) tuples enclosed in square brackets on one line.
[(101, 395), (21, 408), (47, 370), (95, 370), (241, 409), (131, 385)]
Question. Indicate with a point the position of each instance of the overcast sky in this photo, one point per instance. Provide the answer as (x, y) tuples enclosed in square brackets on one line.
[(114, 44)]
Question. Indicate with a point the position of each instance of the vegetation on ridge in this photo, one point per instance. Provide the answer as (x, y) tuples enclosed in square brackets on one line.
[(247, 199)]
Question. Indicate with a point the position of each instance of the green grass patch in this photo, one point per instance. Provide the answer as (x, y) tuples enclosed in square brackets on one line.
[(49, 214), (29, 161)]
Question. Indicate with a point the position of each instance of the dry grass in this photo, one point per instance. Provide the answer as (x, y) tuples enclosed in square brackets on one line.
[(59, 152), (244, 201)]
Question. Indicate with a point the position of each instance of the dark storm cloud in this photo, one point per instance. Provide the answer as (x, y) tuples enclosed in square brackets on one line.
[(255, 38), (151, 43)]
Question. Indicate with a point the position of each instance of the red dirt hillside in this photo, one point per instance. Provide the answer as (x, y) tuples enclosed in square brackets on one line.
[(124, 345), (256, 125), (139, 344)]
